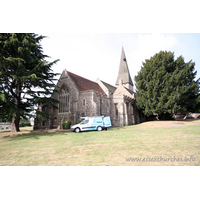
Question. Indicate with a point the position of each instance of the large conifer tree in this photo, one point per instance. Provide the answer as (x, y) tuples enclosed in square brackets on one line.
[(26, 78), (167, 86)]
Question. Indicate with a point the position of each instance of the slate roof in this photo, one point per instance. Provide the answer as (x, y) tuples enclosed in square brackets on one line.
[(110, 87), (131, 92), (84, 84)]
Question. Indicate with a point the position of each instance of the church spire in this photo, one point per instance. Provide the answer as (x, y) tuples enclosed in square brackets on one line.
[(124, 77)]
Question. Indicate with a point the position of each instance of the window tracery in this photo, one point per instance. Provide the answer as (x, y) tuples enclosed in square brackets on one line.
[(64, 100)]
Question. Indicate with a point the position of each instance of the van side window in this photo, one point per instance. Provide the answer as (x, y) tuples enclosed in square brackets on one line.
[(85, 122)]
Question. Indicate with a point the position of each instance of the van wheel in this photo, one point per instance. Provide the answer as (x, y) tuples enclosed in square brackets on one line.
[(77, 130), (99, 128)]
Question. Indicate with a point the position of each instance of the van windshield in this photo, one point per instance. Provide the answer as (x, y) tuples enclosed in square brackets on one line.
[(85, 122)]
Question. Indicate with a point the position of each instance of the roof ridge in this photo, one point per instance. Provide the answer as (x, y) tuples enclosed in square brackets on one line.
[(108, 84), (85, 84), (111, 88), (130, 91), (82, 77)]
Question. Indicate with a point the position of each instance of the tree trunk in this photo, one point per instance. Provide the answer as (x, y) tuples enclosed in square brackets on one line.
[(15, 125), (16, 118)]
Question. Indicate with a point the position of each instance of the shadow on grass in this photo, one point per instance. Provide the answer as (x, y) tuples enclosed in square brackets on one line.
[(7, 130), (34, 134)]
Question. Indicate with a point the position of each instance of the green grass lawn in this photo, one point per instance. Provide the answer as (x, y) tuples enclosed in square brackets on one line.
[(115, 147)]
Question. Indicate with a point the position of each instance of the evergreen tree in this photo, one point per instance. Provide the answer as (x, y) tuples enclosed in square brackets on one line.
[(167, 86), (26, 78)]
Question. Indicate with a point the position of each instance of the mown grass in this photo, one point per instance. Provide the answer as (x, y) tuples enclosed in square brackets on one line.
[(115, 147)]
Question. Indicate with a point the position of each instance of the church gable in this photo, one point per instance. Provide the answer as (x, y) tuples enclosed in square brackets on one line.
[(64, 74), (65, 80), (123, 90), (107, 88), (84, 84)]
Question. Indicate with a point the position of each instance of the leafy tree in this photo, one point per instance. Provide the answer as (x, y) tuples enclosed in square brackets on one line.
[(167, 86), (26, 78), (24, 122)]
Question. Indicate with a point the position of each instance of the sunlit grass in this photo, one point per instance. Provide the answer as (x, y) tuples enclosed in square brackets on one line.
[(114, 147)]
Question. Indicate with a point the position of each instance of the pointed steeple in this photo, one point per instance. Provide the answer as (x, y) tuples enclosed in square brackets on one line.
[(124, 77)]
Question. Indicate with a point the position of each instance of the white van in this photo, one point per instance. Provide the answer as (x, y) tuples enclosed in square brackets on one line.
[(92, 123)]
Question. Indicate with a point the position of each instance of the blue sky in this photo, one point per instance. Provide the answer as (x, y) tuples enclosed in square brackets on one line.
[(94, 55)]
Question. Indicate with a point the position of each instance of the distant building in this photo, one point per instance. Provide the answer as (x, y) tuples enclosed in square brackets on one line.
[(180, 116), (32, 121), (80, 97)]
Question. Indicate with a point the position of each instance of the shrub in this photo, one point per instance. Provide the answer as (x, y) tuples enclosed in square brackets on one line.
[(22, 124), (66, 125)]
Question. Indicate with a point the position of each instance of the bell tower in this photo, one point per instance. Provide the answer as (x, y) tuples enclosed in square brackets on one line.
[(124, 77)]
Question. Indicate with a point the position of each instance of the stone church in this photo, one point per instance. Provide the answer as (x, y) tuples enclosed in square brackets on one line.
[(80, 97)]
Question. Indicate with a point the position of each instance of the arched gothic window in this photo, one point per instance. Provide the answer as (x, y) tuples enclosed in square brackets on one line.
[(83, 102), (64, 100), (116, 112)]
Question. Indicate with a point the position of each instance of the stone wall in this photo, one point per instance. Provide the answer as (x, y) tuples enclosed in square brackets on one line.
[(84, 103), (90, 103)]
